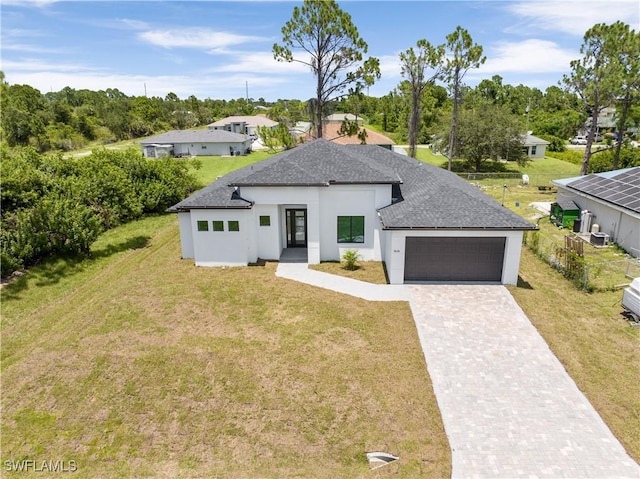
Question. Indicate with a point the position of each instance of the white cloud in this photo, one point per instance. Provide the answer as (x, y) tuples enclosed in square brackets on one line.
[(573, 17), (22, 47), (28, 3), (529, 56), (259, 63), (200, 38), (37, 65), (390, 66), (54, 77)]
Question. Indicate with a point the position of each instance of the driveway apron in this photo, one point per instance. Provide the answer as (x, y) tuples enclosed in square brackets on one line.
[(509, 408)]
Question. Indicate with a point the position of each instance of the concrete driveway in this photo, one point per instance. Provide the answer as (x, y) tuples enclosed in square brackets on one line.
[(509, 408)]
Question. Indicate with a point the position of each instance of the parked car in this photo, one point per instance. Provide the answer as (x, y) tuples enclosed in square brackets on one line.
[(578, 140)]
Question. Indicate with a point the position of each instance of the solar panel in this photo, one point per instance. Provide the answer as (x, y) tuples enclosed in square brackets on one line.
[(622, 189)]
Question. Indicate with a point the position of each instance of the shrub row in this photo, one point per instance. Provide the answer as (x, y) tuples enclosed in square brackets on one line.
[(53, 205)]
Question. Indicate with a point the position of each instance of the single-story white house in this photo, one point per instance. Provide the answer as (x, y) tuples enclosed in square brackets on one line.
[(247, 125), (535, 147), (424, 222), (613, 198), (340, 117), (196, 143)]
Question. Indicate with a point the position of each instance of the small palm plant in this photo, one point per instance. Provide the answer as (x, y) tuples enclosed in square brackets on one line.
[(350, 259)]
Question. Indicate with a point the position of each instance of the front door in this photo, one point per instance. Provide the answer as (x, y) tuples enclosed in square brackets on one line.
[(296, 228)]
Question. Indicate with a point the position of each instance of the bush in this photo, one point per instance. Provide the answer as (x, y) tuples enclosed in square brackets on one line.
[(570, 156), (350, 259), (54, 205), (555, 143)]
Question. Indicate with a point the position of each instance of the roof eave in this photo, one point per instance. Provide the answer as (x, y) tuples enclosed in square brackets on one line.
[(186, 209), (458, 228)]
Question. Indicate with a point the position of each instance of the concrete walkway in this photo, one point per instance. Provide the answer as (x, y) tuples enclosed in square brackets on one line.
[(372, 292), (509, 408)]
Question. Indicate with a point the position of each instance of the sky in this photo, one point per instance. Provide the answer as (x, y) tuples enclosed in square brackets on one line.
[(222, 50)]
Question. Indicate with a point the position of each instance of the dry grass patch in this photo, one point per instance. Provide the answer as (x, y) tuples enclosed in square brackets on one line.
[(591, 338), (151, 367), (369, 271)]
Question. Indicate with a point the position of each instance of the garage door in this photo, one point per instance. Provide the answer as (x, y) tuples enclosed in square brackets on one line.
[(454, 259)]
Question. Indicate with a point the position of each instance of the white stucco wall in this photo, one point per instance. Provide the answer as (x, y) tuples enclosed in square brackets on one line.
[(268, 238), (622, 226), (222, 248), (352, 200), (323, 205), (290, 197), (209, 149), (186, 235), (395, 250), (540, 151)]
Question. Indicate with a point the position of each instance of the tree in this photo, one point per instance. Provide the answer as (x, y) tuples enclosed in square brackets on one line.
[(331, 47), (413, 66), (596, 77), (276, 138), (625, 48), (461, 55), (490, 132)]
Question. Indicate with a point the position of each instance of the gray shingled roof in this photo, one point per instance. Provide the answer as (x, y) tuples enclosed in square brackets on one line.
[(319, 162), (434, 198), (430, 196), (196, 136)]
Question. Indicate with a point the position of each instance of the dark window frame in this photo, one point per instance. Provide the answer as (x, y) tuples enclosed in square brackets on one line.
[(233, 225), (265, 222), (354, 235), (202, 225), (218, 225)]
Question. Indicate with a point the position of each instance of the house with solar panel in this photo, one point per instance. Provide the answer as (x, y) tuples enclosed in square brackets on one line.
[(610, 202)]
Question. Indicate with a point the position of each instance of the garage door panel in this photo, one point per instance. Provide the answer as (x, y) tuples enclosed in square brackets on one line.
[(454, 259)]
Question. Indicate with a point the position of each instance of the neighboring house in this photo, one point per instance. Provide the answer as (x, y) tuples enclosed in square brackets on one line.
[(340, 117), (535, 147), (300, 130), (247, 125), (614, 200), (195, 143), (608, 123), (330, 132), (424, 222)]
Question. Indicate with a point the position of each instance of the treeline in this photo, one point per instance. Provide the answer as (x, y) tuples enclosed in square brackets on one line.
[(54, 206), (553, 112), (70, 119)]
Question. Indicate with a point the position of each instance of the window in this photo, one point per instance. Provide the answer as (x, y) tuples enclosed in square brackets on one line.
[(350, 229), (533, 149), (234, 226), (218, 225), (204, 147), (265, 221), (203, 226)]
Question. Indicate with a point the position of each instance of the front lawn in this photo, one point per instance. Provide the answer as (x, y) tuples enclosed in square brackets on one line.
[(138, 364), (369, 271), (593, 341)]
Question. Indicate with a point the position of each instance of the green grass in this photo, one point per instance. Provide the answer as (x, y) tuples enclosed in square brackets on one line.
[(369, 271), (593, 341), (214, 166), (136, 363)]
